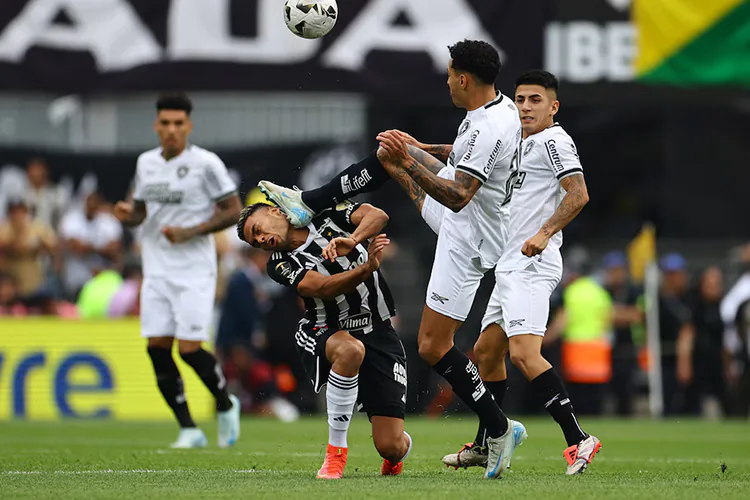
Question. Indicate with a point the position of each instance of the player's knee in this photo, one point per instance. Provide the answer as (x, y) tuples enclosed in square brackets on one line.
[(349, 352), (521, 357), (392, 448), (432, 350), (488, 352), (188, 346)]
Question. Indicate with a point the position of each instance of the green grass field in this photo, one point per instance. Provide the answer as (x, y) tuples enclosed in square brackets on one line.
[(639, 459)]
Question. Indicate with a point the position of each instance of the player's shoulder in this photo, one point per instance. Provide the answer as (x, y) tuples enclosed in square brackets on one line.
[(204, 155), (500, 116), (149, 156)]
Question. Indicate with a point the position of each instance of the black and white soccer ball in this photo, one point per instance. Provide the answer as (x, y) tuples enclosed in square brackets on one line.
[(310, 19)]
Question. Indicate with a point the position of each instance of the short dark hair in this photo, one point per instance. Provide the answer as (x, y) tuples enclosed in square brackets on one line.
[(245, 214), (539, 77), (174, 101), (478, 58)]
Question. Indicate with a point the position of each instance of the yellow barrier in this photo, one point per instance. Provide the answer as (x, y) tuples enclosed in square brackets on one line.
[(52, 368)]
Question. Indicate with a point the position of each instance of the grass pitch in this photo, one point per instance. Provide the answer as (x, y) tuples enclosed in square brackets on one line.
[(639, 459)]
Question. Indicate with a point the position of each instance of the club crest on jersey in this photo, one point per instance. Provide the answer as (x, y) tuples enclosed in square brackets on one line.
[(529, 146), (182, 171), (464, 127)]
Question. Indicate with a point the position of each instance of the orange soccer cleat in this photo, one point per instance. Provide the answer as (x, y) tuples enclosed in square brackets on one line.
[(390, 469), (333, 465), (580, 455)]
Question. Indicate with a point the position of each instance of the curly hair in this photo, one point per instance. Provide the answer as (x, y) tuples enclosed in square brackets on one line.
[(478, 58)]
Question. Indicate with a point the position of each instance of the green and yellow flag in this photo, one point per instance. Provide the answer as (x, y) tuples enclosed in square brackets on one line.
[(693, 42)]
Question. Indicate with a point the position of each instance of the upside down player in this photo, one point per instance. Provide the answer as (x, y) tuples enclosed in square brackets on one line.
[(183, 193), (345, 339), (548, 193), (485, 158)]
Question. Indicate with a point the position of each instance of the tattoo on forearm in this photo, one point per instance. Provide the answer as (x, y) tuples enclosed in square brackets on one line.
[(440, 151), (426, 159), (571, 205), (415, 192), (452, 194), (226, 216)]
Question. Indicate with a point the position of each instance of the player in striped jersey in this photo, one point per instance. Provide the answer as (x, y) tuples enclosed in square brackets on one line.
[(348, 310)]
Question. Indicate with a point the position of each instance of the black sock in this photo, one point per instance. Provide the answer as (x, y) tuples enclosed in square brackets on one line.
[(497, 389), (550, 391), (463, 375), (365, 176), (209, 371), (170, 384)]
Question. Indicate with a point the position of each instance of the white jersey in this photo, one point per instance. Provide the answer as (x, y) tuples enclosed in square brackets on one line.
[(181, 192), (487, 148), (548, 157)]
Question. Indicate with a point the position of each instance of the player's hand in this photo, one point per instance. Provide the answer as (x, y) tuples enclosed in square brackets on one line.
[(409, 139), (123, 210), (535, 245), (375, 251), (394, 145), (178, 234), (338, 247)]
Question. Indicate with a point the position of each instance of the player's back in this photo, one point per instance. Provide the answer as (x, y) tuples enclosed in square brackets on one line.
[(487, 148), (547, 157), (179, 192)]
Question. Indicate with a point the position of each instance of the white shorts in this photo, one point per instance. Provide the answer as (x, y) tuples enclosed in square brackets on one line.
[(180, 307), (454, 280), (520, 302), (432, 210)]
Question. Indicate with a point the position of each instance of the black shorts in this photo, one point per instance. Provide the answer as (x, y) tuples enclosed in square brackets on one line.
[(382, 376)]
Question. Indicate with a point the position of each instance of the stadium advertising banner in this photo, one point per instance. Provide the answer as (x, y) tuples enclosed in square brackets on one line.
[(395, 48), (52, 369)]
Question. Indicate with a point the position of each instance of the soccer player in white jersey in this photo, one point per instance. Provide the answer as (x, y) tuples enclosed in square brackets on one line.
[(182, 194), (485, 157), (548, 193)]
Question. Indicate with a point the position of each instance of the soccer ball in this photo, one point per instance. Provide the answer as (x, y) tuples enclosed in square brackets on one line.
[(310, 19)]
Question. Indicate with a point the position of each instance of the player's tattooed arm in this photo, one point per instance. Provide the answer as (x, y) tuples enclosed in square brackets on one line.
[(427, 158), (225, 215), (574, 200), (454, 194), (572, 203), (440, 151)]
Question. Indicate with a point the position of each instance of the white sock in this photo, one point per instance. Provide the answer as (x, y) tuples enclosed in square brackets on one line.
[(341, 396)]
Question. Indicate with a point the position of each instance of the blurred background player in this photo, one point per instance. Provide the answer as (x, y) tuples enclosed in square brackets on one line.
[(346, 330), (182, 194)]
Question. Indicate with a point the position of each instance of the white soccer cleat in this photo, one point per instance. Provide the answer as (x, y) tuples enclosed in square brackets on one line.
[(519, 436), (500, 451), (229, 423), (471, 455), (580, 455), (189, 438), (290, 201)]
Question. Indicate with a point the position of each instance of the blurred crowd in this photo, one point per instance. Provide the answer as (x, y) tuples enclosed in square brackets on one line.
[(63, 253)]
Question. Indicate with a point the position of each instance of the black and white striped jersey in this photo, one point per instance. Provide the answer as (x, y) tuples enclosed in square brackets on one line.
[(370, 302)]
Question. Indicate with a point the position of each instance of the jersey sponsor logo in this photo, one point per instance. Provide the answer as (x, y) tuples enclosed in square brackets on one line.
[(529, 147), (438, 298), (464, 127), (160, 193), (399, 373), (182, 171), (357, 182), (356, 322), (493, 157), (472, 143), (554, 156)]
